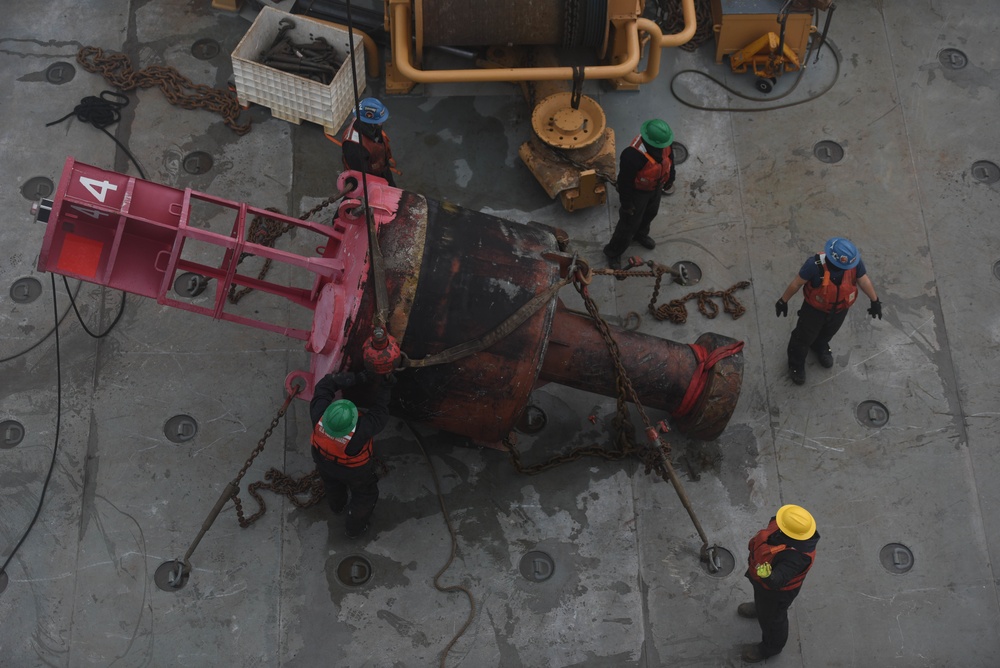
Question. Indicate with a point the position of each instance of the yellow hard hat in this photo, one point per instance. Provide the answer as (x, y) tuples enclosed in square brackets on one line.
[(795, 522)]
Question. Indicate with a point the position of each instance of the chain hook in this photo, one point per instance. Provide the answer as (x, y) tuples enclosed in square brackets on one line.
[(710, 556)]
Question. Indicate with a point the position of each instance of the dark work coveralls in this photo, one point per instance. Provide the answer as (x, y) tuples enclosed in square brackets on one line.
[(815, 328), (771, 601), (637, 208), (353, 488)]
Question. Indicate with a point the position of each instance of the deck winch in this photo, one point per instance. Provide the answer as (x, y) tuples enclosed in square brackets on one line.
[(549, 49)]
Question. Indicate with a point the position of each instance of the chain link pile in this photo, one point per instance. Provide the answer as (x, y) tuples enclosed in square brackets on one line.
[(676, 312), (116, 68)]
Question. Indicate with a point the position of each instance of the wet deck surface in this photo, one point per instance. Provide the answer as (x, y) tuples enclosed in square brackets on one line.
[(627, 589)]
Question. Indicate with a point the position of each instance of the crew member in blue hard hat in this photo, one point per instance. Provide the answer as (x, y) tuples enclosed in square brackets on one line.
[(645, 173), (781, 555), (365, 145), (831, 281), (343, 447)]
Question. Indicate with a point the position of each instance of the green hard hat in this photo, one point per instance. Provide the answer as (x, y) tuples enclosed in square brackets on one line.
[(657, 133), (339, 418)]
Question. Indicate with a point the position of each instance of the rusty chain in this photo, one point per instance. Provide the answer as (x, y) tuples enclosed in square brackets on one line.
[(244, 522), (294, 488), (117, 69), (284, 484), (266, 231), (676, 312), (655, 457), (624, 444)]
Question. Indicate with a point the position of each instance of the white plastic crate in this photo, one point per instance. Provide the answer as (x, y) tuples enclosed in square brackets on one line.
[(291, 97)]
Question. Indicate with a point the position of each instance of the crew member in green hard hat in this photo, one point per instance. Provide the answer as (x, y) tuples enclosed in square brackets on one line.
[(645, 173), (343, 447), (365, 145), (781, 555)]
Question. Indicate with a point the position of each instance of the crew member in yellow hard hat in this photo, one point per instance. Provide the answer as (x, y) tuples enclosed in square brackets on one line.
[(781, 555), (645, 173), (343, 447)]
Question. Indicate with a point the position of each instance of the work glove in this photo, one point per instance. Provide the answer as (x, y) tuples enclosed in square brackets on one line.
[(875, 310), (347, 379), (764, 570), (781, 308), (360, 378)]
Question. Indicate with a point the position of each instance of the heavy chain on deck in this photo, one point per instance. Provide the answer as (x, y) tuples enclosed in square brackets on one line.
[(117, 69), (676, 312), (285, 485), (655, 457), (624, 445), (244, 521)]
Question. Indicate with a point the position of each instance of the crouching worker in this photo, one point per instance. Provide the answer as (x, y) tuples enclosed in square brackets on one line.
[(343, 447)]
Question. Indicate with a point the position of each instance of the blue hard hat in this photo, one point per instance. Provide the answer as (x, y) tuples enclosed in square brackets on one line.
[(372, 111), (842, 253)]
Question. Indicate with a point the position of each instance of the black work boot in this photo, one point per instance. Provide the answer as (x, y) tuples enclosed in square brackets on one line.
[(748, 610), (356, 527), (825, 357), (797, 373), (752, 653), (645, 241)]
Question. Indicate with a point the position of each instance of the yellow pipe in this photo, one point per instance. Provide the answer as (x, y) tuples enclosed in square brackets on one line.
[(401, 59), (684, 36), (658, 38), (371, 49)]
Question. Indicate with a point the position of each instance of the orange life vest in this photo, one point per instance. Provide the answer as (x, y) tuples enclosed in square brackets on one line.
[(334, 449), (379, 153), (827, 297), (761, 552), (653, 174)]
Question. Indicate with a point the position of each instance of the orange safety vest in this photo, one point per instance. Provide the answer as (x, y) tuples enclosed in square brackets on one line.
[(653, 174), (762, 552), (827, 296), (379, 153), (335, 449)]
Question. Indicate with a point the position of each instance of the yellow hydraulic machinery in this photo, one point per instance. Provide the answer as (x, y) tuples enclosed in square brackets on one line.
[(539, 44), (572, 151), (769, 57), (767, 37)]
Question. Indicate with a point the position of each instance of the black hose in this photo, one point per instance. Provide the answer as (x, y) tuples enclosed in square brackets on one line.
[(828, 43)]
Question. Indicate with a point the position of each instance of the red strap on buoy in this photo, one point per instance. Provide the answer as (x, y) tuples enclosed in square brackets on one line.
[(705, 363)]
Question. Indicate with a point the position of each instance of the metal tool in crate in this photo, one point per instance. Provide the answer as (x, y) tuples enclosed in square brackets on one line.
[(316, 60)]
